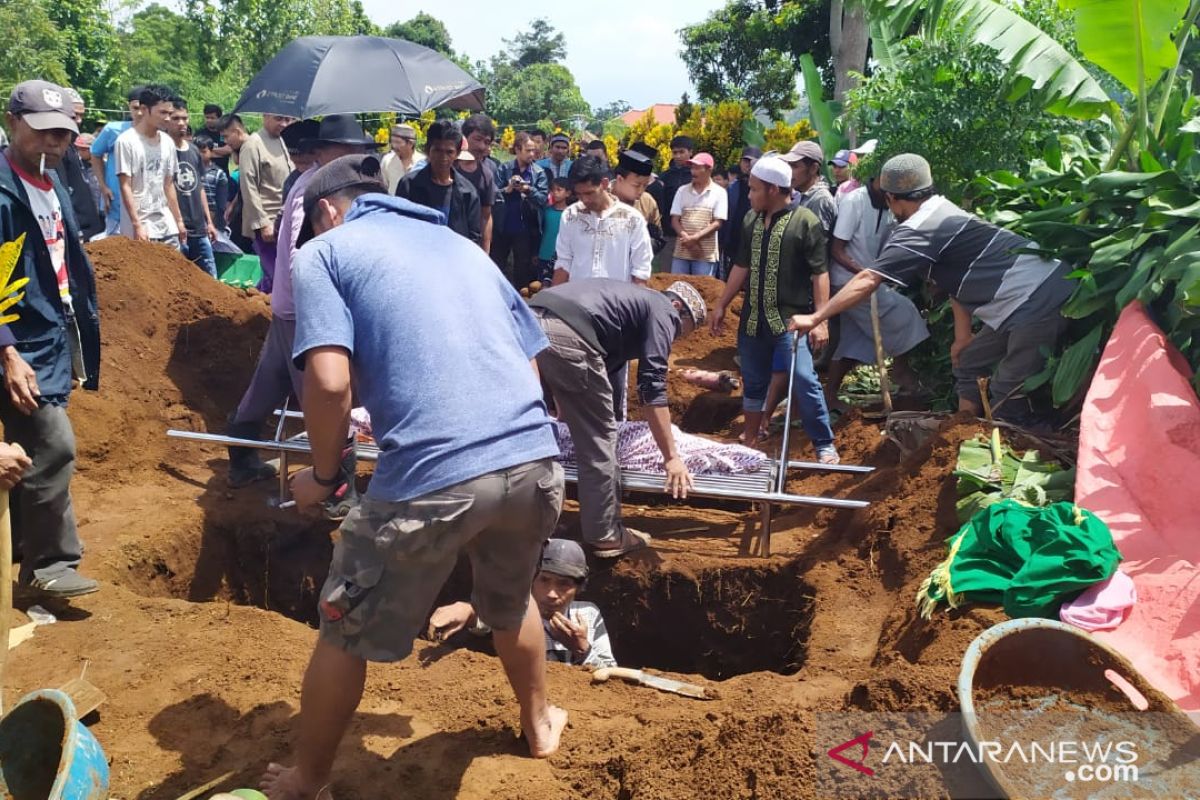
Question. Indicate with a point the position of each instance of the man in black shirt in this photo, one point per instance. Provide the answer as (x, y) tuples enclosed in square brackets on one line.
[(440, 186), (212, 126), (189, 187), (71, 172), (479, 133), (595, 328)]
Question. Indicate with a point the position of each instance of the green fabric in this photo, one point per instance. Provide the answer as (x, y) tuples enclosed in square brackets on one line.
[(800, 251), (1031, 559), (240, 271), (1028, 479)]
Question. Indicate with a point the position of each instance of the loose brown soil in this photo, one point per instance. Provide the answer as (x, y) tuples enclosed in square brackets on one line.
[(199, 636)]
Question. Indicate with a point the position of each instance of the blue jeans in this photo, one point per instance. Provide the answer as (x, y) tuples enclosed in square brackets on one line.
[(758, 355), (687, 266), (199, 250)]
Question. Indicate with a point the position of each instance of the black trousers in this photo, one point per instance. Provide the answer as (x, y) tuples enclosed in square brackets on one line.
[(43, 520), (514, 254)]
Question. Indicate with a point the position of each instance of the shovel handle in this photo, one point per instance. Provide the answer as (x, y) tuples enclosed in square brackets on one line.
[(604, 673)]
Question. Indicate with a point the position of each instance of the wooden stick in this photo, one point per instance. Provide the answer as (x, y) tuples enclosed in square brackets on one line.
[(214, 783), (6, 601), (885, 388)]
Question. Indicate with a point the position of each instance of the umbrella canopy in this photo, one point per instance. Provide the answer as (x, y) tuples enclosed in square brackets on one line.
[(318, 75)]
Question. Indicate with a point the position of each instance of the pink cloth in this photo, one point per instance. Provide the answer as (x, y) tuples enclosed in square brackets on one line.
[(1103, 606), (1139, 458)]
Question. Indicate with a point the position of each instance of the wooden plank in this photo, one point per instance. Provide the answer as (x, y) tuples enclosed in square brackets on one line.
[(86, 696)]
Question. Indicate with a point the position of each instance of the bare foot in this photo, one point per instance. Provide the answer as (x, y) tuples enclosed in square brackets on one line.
[(286, 783), (544, 736)]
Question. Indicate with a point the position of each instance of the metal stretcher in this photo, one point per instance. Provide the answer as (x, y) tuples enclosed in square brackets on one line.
[(763, 487)]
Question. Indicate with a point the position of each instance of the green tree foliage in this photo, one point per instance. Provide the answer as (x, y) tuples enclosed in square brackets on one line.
[(539, 93), (243, 35), (605, 119), (947, 100), (423, 29), (91, 51), (33, 46), (685, 110), (750, 49), (614, 109), (525, 83), (539, 43)]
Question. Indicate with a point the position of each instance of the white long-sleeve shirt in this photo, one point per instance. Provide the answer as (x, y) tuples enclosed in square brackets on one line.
[(615, 244)]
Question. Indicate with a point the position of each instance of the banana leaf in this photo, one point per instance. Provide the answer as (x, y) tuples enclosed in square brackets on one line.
[(1027, 479), (1129, 40), (1076, 366)]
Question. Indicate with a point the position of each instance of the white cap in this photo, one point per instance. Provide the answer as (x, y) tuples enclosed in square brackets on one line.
[(773, 169)]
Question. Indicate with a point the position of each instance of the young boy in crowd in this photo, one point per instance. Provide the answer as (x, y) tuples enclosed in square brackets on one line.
[(216, 180), (575, 631), (560, 198)]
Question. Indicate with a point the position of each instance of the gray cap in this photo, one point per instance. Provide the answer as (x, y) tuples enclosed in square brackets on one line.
[(75, 98), (564, 557), (905, 174), (802, 150), (341, 173), (44, 106)]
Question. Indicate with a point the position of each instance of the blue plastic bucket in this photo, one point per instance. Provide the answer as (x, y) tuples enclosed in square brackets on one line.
[(46, 754)]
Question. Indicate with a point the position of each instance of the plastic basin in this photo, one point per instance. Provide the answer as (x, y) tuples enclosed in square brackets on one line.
[(1028, 680), (46, 754)]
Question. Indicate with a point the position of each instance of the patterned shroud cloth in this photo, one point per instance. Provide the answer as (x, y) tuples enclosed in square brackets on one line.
[(638, 452)]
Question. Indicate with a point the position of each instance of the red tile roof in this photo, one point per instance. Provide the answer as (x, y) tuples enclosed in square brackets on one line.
[(664, 113)]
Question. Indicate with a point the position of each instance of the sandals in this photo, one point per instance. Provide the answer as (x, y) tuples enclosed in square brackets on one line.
[(631, 541)]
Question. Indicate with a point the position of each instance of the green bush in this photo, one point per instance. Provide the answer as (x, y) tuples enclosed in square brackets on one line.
[(947, 100)]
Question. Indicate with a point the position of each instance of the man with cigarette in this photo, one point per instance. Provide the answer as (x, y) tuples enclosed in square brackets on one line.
[(51, 342)]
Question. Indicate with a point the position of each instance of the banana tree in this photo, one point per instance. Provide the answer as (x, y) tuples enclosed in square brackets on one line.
[(1130, 39), (1038, 63)]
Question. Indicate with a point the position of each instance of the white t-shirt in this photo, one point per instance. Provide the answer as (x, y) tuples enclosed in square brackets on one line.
[(864, 228), (695, 211), (613, 245), (148, 163), (43, 201)]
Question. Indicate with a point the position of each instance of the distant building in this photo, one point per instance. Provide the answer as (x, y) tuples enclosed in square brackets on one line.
[(664, 114)]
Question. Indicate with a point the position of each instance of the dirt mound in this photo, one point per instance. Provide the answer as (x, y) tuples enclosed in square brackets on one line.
[(178, 349)]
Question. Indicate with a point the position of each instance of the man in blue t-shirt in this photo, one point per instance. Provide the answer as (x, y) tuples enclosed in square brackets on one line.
[(104, 165), (467, 452)]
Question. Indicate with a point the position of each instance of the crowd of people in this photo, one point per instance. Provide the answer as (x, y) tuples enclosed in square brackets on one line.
[(396, 281)]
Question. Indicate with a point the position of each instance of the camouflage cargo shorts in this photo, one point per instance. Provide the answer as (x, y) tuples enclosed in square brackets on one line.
[(391, 559)]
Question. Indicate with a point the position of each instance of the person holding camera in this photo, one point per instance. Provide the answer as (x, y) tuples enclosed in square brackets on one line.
[(517, 232)]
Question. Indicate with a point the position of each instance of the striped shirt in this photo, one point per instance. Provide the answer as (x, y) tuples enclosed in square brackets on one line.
[(986, 268)]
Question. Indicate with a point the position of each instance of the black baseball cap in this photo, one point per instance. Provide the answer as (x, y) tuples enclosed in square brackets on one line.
[(44, 106), (357, 169)]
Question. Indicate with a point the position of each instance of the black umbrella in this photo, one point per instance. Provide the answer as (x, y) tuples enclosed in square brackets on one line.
[(318, 75)]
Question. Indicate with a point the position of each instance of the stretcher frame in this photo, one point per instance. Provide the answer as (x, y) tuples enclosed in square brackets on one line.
[(761, 488)]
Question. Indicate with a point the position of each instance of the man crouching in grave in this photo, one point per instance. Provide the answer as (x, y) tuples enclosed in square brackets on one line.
[(575, 630)]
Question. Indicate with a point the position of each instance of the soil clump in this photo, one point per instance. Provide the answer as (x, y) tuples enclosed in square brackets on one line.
[(203, 672)]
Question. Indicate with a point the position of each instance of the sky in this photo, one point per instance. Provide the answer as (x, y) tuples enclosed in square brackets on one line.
[(617, 49)]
